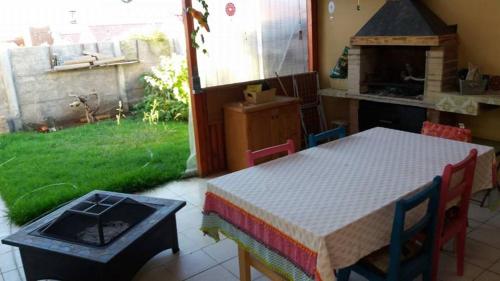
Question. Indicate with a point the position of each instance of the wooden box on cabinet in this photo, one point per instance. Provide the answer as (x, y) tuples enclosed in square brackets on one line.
[(253, 127)]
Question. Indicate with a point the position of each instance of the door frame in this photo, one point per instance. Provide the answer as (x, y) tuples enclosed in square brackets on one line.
[(199, 97)]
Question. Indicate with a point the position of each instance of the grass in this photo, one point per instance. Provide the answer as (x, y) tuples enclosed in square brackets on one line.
[(40, 171)]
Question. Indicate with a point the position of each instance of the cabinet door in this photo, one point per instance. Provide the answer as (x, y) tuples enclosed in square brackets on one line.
[(260, 130), (287, 125)]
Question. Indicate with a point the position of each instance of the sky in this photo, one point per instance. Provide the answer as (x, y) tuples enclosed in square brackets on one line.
[(17, 15)]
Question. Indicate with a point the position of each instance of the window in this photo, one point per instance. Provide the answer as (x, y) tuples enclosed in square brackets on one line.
[(263, 37)]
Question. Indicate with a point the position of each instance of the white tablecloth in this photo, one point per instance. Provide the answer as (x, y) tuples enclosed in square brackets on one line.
[(338, 198)]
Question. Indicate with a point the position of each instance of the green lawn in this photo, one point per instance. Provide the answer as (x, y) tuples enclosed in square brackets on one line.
[(40, 171)]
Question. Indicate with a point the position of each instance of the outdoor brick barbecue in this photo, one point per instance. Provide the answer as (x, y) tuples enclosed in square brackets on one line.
[(404, 50), (100, 236)]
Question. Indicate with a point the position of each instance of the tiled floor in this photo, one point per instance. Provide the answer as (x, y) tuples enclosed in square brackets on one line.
[(201, 259)]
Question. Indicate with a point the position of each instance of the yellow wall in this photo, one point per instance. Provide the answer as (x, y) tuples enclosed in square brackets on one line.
[(478, 29)]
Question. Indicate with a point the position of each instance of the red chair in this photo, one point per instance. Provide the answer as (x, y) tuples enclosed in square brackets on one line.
[(446, 132), (465, 135), (456, 185), (288, 147)]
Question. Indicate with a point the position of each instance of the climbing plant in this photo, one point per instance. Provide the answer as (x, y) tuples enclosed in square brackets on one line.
[(202, 18)]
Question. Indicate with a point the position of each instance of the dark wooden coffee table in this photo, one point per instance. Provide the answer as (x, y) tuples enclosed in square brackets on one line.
[(52, 258)]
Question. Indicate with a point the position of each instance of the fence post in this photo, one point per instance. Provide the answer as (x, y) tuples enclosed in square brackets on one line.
[(14, 118), (120, 73)]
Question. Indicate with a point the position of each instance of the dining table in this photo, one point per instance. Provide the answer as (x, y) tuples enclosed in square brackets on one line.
[(305, 215)]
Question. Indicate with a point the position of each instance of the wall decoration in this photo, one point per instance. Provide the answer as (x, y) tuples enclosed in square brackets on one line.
[(331, 8), (230, 9)]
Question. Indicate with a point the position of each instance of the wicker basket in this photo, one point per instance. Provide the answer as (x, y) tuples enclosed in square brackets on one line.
[(468, 87)]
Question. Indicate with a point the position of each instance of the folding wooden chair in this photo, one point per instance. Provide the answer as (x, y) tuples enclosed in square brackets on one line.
[(407, 257), (453, 224), (465, 135), (312, 116), (337, 133)]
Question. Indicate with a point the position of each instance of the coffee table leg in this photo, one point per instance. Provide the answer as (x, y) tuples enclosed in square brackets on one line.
[(244, 261), (175, 245)]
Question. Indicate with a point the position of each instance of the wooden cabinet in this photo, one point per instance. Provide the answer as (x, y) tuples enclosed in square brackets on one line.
[(259, 126)]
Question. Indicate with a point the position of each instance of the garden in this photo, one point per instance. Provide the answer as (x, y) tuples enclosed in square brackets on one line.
[(39, 171)]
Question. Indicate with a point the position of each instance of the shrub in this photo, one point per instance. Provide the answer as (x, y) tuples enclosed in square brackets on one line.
[(166, 90)]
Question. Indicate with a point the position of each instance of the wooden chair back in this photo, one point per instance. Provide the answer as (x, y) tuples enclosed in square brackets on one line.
[(456, 187), (337, 133), (402, 233), (288, 147), (446, 132), (453, 189)]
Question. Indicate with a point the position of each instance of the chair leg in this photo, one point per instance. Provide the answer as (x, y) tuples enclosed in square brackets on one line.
[(486, 195), (344, 274), (460, 246), (427, 275), (435, 262)]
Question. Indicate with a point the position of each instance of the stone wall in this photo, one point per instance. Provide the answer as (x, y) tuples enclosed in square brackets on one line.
[(43, 94)]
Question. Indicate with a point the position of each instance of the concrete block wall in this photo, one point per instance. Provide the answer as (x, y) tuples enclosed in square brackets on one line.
[(4, 107), (44, 95)]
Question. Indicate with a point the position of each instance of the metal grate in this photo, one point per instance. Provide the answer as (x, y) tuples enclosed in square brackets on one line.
[(97, 220)]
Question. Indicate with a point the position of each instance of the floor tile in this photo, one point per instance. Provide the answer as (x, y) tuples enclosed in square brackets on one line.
[(161, 259), (488, 276), (476, 253), (163, 193), (155, 274), (189, 245), (21, 273), (495, 267), (196, 199), (494, 221), (188, 186), (12, 275), (188, 265), (473, 224), (217, 273), (197, 234), (5, 248), (480, 214), (234, 267), (448, 270), (17, 256), (222, 250), (487, 234), (7, 262), (189, 219)]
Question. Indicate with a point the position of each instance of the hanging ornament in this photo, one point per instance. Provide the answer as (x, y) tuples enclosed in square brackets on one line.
[(359, 5), (331, 8), (230, 9)]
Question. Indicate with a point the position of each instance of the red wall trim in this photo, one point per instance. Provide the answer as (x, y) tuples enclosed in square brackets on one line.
[(312, 33)]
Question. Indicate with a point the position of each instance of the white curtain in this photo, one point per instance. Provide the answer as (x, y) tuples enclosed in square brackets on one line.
[(263, 37)]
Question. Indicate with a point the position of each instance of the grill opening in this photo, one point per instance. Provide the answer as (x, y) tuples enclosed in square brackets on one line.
[(395, 71), (97, 220)]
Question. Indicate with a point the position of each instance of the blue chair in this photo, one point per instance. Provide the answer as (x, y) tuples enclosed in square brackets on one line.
[(330, 134), (410, 253)]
